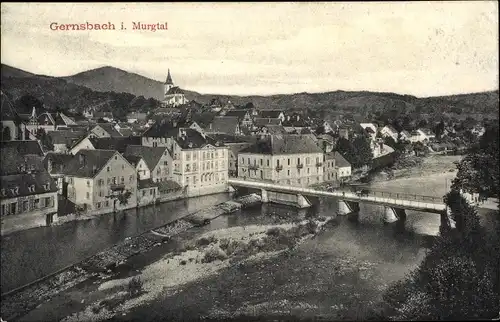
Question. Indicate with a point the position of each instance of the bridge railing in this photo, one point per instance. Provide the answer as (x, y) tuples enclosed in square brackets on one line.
[(397, 196), (404, 196)]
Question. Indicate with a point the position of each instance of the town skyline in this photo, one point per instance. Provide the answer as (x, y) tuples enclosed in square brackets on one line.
[(220, 49)]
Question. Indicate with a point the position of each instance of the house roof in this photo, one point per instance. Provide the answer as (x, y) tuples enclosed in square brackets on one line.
[(118, 144), (175, 90), (261, 121), (340, 161), (102, 114), (58, 162), (24, 147), (146, 183), (88, 163), (225, 124), (284, 144), (240, 113), (126, 132), (161, 130), (390, 128), (192, 139), (65, 137), (151, 155), (270, 113), (12, 161), (110, 129), (139, 116), (235, 148), (369, 130), (406, 133), (168, 186), (294, 123), (40, 181), (132, 159), (274, 129), (228, 138)]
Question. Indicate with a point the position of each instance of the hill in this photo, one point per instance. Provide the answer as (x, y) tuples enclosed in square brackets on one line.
[(101, 87), (57, 93), (111, 79)]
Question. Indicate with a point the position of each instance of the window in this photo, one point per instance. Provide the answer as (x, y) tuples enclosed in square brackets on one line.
[(278, 163), (307, 170), (248, 161), (100, 193), (195, 156), (88, 195), (151, 192), (261, 162), (123, 179), (98, 205), (288, 161), (298, 160), (123, 167), (308, 160), (107, 169), (143, 193), (268, 162), (25, 205), (188, 167), (131, 178), (165, 162), (36, 203), (114, 180), (107, 203), (88, 183), (116, 158)]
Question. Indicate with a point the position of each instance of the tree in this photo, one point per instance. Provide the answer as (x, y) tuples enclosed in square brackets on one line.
[(458, 279), (119, 195), (363, 151), (439, 129), (25, 104)]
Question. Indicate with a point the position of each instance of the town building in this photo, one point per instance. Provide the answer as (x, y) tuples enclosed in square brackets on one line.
[(174, 96), (329, 167), (286, 159), (344, 169), (28, 195), (200, 163), (225, 124), (157, 159), (97, 179), (136, 117), (389, 131), (244, 116), (272, 114), (295, 124), (55, 164)]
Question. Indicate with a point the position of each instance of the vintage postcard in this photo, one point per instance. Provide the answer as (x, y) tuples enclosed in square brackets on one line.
[(250, 161)]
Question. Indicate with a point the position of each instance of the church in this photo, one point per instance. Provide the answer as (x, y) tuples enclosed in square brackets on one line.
[(174, 96)]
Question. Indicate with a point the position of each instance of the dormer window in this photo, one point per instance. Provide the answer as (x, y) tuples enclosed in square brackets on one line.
[(31, 188), (22, 168), (46, 186), (4, 193), (15, 191)]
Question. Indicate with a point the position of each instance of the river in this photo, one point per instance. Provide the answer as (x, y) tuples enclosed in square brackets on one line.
[(31, 254)]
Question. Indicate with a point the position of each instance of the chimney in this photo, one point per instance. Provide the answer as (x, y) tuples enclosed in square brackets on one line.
[(82, 160)]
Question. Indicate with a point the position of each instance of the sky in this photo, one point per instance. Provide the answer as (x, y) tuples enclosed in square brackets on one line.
[(417, 48)]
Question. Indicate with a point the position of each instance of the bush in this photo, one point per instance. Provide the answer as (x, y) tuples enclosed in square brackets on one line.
[(205, 241), (311, 226), (214, 253), (274, 231), (135, 285), (183, 262)]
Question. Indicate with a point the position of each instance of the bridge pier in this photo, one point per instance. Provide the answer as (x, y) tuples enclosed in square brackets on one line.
[(389, 215), (347, 207), (302, 202), (263, 196)]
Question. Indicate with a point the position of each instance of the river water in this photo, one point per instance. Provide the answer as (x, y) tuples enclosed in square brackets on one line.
[(31, 254)]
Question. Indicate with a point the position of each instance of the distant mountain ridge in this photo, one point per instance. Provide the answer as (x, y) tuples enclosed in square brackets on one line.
[(111, 79)]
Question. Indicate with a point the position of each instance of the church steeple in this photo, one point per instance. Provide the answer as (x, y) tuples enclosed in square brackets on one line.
[(169, 79)]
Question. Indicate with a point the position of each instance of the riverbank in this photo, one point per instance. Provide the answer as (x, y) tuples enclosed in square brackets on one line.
[(20, 301), (191, 255)]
